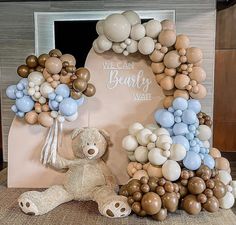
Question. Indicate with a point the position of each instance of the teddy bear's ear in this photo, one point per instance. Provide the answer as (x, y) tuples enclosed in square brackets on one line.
[(106, 135), (76, 132)]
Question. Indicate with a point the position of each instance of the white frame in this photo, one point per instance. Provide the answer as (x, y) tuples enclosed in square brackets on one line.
[(44, 23)]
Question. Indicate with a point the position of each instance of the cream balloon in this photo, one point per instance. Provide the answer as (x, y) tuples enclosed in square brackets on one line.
[(116, 27), (155, 157), (171, 170), (153, 28), (68, 58), (164, 141), (132, 17), (131, 157), (129, 143), (161, 131), (137, 32), (45, 89), (224, 177), (146, 45), (177, 152), (103, 43), (36, 78), (99, 27), (143, 136), (141, 154), (96, 48), (116, 48), (152, 127), (134, 128), (133, 47), (204, 133), (227, 201)]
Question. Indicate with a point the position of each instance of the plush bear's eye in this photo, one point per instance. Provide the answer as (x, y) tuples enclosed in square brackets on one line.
[(87, 143), (94, 143)]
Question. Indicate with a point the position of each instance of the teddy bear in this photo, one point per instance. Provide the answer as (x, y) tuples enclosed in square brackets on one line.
[(87, 178)]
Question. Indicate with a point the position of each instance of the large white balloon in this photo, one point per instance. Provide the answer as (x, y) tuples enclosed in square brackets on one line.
[(225, 177), (177, 152), (137, 32), (227, 201), (171, 170), (129, 143), (143, 136), (204, 132), (45, 89), (153, 28), (132, 17), (146, 45), (103, 43), (116, 27), (141, 154), (156, 157), (36, 78)]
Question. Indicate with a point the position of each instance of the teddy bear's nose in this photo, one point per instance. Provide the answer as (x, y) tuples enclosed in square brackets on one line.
[(91, 151)]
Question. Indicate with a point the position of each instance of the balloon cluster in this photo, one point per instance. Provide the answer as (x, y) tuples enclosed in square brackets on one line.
[(204, 119), (51, 88), (181, 121), (175, 64)]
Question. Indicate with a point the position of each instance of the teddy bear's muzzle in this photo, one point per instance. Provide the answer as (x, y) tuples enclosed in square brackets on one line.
[(90, 151)]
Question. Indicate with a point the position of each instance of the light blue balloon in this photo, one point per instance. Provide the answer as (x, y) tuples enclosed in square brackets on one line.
[(165, 118), (20, 86), (171, 109), (180, 129), (194, 105), (14, 109), (178, 112), (51, 105), (180, 103), (68, 107), (20, 114), (10, 92), (195, 149), (192, 160), (193, 143), (181, 140), (158, 113), (190, 136), (202, 150), (63, 90), (177, 119), (59, 98), (19, 94), (55, 105), (209, 161), (52, 96), (201, 156), (25, 92), (25, 104), (189, 116), (207, 151), (80, 101), (191, 128), (24, 81)]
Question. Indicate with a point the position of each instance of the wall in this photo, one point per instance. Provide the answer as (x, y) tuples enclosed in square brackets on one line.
[(193, 17)]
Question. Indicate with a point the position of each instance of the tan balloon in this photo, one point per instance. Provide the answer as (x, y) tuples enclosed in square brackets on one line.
[(202, 92), (171, 59), (182, 41), (146, 45), (222, 163), (154, 171), (169, 92), (198, 74), (45, 119), (151, 203), (168, 25), (181, 81), (68, 58), (167, 38), (53, 65), (194, 55), (215, 153), (167, 102), (156, 56), (159, 77), (158, 67), (181, 93), (170, 72), (31, 117), (65, 79), (167, 83)]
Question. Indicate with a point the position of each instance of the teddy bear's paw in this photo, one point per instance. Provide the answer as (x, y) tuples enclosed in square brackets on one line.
[(27, 206), (116, 208)]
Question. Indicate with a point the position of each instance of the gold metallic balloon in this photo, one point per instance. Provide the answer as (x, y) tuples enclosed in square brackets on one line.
[(55, 53), (75, 95), (151, 203), (196, 185), (79, 85), (31, 61), (83, 74), (90, 90), (23, 71), (42, 59), (161, 215)]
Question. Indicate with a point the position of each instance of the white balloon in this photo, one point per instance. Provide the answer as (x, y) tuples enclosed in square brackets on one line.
[(151, 146), (36, 77), (146, 45), (206, 144), (103, 43), (227, 201), (177, 152), (161, 131), (133, 47), (171, 170), (153, 137), (141, 154), (116, 48), (116, 27), (137, 32), (129, 143), (204, 133), (96, 48), (134, 128), (42, 100), (132, 17), (72, 118), (225, 177), (143, 136), (99, 27), (155, 157), (164, 141), (45, 89), (153, 28), (152, 127), (131, 156)]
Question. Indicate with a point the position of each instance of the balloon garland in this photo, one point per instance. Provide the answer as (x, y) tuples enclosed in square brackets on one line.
[(50, 91), (171, 162)]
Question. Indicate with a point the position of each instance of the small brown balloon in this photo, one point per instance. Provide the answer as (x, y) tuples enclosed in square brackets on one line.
[(202, 198), (151, 203), (136, 207), (208, 192), (137, 196), (170, 201), (23, 71), (79, 85), (130, 200), (70, 69), (152, 183), (144, 180), (219, 190), (31, 61), (55, 53), (161, 215), (83, 74), (31, 117), (182, 190), (145, 188), (162, 182), (160, 190), (211, 205), (124, 190), (210, 184), (196, 185), (90, 90), (191, 205), (142, 213), (133, 186), (45, 119), (39, 69), (75, 95), (184, 174), (204, 172), (169, 187), (42, 59)]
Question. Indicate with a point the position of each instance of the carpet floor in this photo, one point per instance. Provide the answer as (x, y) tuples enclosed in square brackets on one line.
[(86, 213)]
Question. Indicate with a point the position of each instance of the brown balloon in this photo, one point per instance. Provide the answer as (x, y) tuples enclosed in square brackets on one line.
[(133, 186), (211, 205), (145, 188), (161, 215), (182, 190), (42, 59), (202, 198), (144, 180), (136, 207), (83, 74), (31, 61), (55, 53), (142, 213), (196, 185), (160, 190), (170, 201), (151, 203), (152, 182), (79, 85), (70, 69), (191, 205), (208, 192), (204, 172), (219, 190), (23, 71), (90, 90), (169, 187), (75, 95), (130, 200), (124, 191), (137, 196)]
